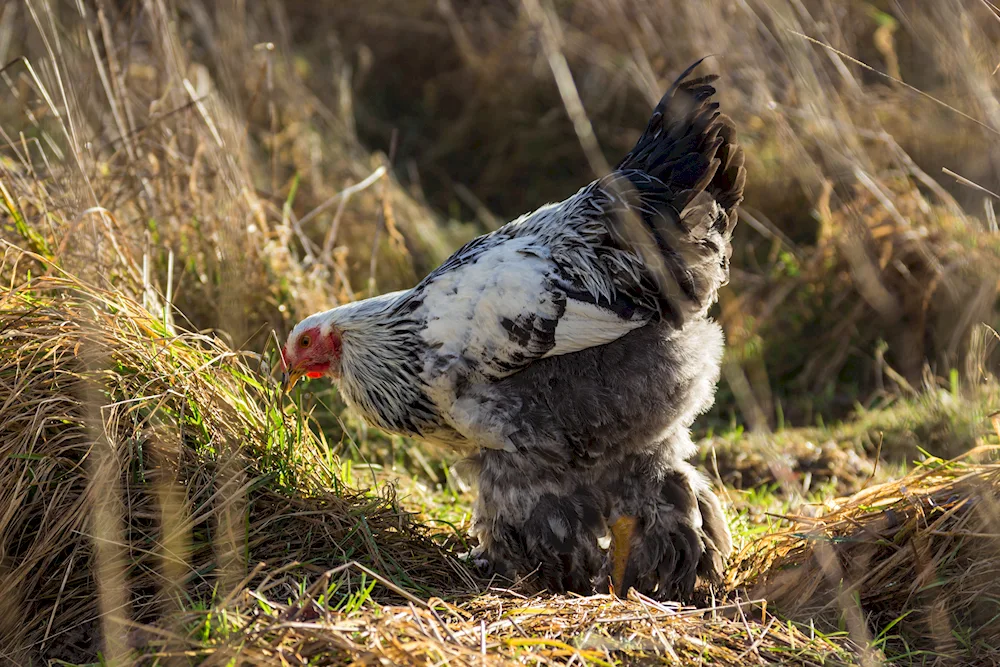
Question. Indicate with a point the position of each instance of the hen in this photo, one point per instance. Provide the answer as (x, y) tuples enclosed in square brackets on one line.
[(568, 353)]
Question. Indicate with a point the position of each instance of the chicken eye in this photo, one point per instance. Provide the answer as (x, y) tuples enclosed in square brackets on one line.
[(305, 341)]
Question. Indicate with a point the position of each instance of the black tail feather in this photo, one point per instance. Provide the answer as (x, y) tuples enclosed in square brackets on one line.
[(690, 145), (687, 171)]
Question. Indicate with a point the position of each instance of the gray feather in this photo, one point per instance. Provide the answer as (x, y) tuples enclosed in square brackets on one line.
[(603, 433)]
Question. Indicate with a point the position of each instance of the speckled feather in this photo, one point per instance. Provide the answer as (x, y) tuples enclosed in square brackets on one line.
[(569, 346)]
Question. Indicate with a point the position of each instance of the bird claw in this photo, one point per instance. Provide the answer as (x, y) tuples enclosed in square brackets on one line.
[(477, 560)]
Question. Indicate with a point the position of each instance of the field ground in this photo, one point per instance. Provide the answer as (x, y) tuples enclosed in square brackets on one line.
[(180, 181)]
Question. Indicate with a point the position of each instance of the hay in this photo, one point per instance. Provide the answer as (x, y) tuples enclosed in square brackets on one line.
[(148, 469), (912, 565), (501, 628)]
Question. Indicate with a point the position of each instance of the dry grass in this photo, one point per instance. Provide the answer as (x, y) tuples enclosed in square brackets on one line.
[(148, 470), (470, 83), (898, 283), (909, 566), (502, 628), (151, 469), (881, 441), (221, 182), (170, 167)]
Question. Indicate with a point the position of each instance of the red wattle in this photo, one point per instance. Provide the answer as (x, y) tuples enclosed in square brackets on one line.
[(313, 375)]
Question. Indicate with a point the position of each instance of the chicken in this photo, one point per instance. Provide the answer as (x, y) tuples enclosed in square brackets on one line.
[(568, 353)]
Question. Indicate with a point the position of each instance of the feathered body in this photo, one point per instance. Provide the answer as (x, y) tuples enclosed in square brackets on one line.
[(570, 352)]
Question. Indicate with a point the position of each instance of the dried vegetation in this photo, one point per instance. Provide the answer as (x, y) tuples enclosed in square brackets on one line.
[(178, 179)]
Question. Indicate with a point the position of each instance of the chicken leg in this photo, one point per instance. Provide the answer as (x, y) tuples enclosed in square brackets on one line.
[(622, 531)]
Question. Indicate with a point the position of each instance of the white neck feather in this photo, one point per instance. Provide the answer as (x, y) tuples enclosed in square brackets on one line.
[(379, 363)]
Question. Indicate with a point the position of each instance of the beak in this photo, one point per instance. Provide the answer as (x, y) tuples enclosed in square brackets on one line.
[(290, 378)]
